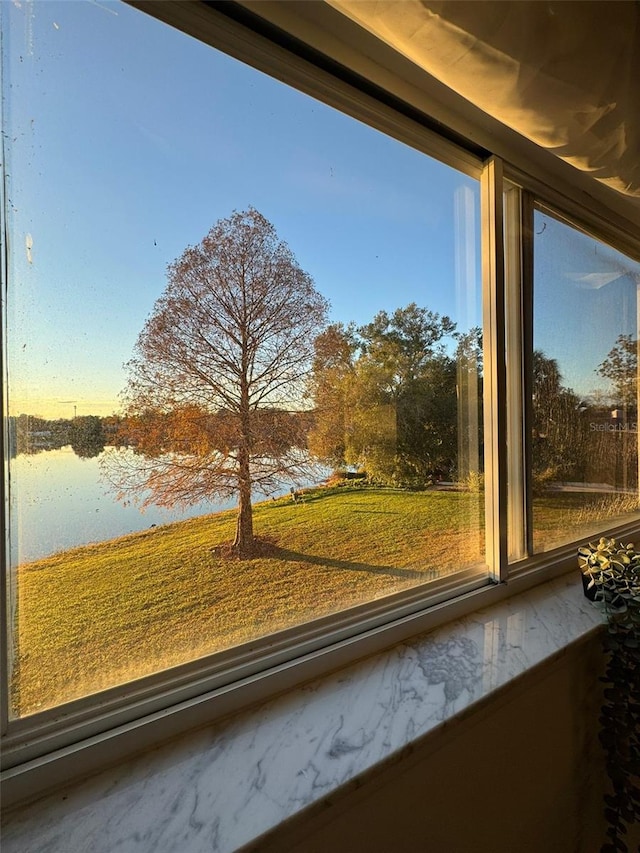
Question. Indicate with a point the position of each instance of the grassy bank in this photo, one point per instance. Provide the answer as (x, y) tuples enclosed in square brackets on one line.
[(103, 614)]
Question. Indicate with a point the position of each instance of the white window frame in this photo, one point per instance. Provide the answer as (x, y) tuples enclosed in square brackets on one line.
[(94, 731)]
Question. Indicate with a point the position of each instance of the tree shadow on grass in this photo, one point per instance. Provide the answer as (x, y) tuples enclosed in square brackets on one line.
[(346, 565)]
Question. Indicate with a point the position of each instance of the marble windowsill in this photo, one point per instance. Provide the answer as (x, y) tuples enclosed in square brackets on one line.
[(220, 788)]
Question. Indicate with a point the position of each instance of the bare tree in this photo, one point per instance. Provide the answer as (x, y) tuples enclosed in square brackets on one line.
[(217, 377)]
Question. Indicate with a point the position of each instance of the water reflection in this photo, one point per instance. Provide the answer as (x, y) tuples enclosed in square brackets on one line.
[(58, 500), (87, 435)]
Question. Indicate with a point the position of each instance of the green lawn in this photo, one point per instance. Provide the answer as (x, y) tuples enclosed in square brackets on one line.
[(100, 615)]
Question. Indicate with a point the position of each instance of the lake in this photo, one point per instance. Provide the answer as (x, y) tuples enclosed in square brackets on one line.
[(59, 501)]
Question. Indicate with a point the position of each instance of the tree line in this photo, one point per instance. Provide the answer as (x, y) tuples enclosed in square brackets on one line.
[(592, 440), (386, 394), (86, 434)]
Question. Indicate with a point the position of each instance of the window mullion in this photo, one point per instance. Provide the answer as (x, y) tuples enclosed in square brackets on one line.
[(495, 416), (527, 349), (518, 230), (516, 472)]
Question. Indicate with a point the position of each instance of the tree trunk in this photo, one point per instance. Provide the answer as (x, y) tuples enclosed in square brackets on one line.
[(243, 544)]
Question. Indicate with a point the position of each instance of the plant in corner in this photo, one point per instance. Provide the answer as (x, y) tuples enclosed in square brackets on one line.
[(611, 577)]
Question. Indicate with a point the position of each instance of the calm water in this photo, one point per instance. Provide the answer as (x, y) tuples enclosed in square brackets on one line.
[(59, 500)]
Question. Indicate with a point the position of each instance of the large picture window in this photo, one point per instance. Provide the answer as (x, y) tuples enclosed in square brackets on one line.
[(292, 370), (296, 300)]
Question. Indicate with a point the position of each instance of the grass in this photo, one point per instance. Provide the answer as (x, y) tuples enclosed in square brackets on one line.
[(103, 614), (579, 514), (100, 615)]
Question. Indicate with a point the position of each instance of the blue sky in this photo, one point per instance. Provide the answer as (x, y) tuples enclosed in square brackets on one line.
[(122, 157), (585, 295)]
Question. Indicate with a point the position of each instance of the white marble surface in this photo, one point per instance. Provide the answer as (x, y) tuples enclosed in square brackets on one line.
[(218, 789)]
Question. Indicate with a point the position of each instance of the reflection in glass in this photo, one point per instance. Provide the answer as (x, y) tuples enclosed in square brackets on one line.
[(585, 385), (122, 165)]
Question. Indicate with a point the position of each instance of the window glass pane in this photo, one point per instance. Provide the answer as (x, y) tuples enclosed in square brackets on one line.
[(333, 387), (585, 385)]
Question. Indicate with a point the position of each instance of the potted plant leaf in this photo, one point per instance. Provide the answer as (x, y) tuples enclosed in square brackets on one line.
[(611, 578)]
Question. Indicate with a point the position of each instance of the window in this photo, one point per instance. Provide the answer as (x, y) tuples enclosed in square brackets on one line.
[(378, 485), (389, 420), (584, 384)]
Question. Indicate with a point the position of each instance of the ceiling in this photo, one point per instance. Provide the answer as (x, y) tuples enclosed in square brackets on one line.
[(566, 75)]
